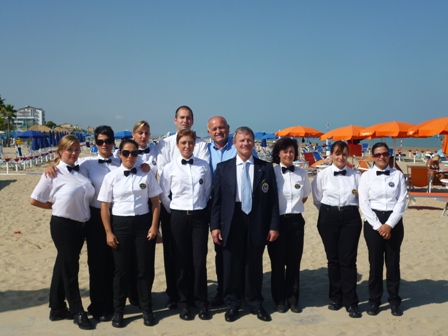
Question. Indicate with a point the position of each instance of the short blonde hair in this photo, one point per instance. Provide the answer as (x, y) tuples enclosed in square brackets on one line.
[(65, 143), (436, 157), (140, 124)]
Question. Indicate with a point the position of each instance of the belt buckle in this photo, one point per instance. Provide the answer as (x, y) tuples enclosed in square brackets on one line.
[(340, 208), (189, 212)]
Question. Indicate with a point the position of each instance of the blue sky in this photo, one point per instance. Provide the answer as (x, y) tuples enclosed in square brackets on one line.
[(264, 64)]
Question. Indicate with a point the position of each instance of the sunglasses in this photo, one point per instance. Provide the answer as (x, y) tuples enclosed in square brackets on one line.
[(126, 153), (107, 142), (378, 155)]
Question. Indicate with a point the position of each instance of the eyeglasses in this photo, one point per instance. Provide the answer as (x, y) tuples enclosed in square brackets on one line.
[(107, 142), (126, 153), (378, 155), (73, 151)]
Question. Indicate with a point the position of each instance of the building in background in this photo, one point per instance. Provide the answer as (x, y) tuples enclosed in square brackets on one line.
[(28, 116)]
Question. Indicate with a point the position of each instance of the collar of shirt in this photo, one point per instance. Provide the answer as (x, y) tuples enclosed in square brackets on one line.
[(180, 158), (375, 169), (240, 161), (336, 169)]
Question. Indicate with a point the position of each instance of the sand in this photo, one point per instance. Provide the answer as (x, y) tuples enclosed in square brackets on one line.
[(27, 258)]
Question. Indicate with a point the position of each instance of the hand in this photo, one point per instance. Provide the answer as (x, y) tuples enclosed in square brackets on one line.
[(153, 233), (145, 167), (51, 171), (272, 235), (216, 235), (112, 240), (385, 231)]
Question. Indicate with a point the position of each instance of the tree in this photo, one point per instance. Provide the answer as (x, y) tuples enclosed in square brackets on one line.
[(51, 124), (8, 113)]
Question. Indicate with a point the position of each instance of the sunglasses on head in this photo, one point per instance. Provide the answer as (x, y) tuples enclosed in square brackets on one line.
[(126, 153), (107, 142), (378, 155)]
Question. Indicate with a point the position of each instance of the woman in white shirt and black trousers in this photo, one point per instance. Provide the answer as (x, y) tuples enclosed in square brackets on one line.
[(132, 229), (286, 252), (70, 195), (188, 179), (335, 194), (382, 200)]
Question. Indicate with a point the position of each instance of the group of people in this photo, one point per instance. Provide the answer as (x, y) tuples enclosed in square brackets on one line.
[(115, 202)]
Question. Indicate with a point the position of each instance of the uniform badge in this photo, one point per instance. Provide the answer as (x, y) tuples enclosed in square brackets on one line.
[(297, 186), (154, 163), (264, 186), (391, 184), (142, 186), (201, 181), (355, 192)]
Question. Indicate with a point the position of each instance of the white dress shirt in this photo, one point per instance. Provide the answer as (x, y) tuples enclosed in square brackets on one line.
[(337, 190), (95, 171), (384, 193), (292, 188), (70, 193), (168, 151), (189, 184), (129, 195), (239, 170)]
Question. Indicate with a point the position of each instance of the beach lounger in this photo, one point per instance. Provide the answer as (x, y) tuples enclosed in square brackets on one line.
[(438, 196)]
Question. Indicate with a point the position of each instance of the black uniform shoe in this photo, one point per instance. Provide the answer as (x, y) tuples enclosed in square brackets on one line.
[(296, 309), (83, 321), (117, 320), (231, 315), (262, 314), (204, 314), (334, 305), (354, 312), (60, 314), (281, 308), (148, 318), (185, 314), (373, 310), (395, 310)]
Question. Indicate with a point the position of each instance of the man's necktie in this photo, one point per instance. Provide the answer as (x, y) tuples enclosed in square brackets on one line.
[(184, 162), (73, 168), (246, 189), (132, 171), (104, 161), (146, 151), (290, 168), (342, 172), (385, 172)]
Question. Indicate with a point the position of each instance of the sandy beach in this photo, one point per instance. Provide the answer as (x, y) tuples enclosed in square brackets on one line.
[(28, 254)]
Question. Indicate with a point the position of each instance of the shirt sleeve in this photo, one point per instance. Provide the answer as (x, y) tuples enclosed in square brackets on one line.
[(42, 191), (165, 185), (364, 203), (203, 152), (306, 185), (153, 187), (400, 206), (106, 191), (162, 149), (208, 182), (316, 188)]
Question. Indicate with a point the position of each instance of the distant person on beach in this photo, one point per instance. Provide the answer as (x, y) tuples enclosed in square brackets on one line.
[(188, 180), (433, 165), (244, 218), (382, 200), (168, 152), (71, 194), (285, 253), (130, 213), (335, 195)]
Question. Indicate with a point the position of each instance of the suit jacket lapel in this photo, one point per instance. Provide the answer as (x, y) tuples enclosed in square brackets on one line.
[(257, 174)]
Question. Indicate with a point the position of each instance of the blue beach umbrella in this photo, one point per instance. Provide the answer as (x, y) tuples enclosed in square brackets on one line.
[(123, 135)]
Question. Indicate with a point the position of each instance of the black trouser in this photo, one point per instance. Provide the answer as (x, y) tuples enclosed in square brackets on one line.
[(243, 264), (340, 229), (381, 249), (286, 254), (219, 268), (101, 265), (131, 233), (68, 237), (168, 255), (190, 236)]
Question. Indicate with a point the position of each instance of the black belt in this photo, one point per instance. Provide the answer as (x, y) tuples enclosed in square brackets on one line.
[(291, 215), (340, 208), (188, 212)]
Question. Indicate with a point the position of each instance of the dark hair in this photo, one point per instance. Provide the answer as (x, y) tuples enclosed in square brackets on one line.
[(126, 141), (244, 129), (378, 145), (185, 133), (186, 108), (105, 130), (338, 147), (283, 144)]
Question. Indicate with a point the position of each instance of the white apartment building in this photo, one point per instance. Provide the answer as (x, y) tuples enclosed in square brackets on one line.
[(28, 116)]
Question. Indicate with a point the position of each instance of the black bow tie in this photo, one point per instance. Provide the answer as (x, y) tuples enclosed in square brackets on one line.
[(104, 161), (184, 162), (290, 168), (73, 168), (146, 151), (132, 171), (385, 172), (341, 172)]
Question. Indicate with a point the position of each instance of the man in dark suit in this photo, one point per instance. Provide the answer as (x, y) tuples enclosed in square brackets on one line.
[(243, 223)]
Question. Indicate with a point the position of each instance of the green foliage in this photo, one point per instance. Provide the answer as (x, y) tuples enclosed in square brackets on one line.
[(51, 124)]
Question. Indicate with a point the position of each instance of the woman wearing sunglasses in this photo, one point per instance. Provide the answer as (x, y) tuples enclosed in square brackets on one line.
[(131, 230), (189, 180), (335, 194), (382, 200), (70, 195)]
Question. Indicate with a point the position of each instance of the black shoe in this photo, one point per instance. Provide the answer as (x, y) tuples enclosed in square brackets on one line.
[(104, 317), (148, 318), (204, 314), (374, 309), (334, 305), (231, 315), (185, 314), (395, 310), (281, 308), (117, 320), (296, 309), (217, 301), (262, 314), (171, 304), (82, 321), (354, 312), (60, 314)]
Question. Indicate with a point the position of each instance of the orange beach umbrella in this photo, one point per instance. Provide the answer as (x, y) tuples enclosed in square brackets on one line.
[(430, 128), (299, 131), (394, 129), (350, 132)]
